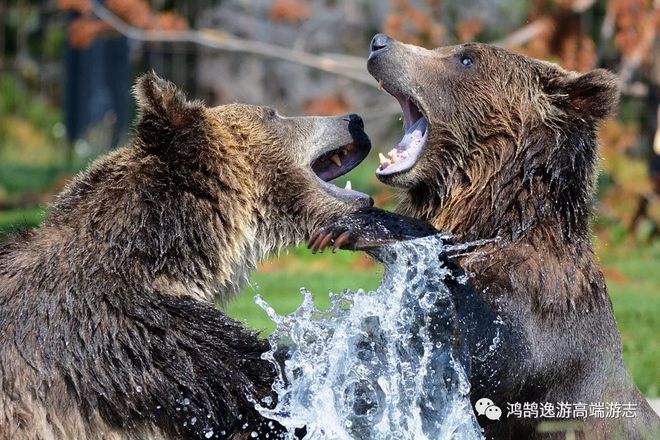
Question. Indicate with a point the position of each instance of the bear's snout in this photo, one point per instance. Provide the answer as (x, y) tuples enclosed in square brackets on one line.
[(378, 43)]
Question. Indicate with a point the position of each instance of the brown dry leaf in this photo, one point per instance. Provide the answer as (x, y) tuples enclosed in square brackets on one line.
[(636, 23), (413, 25), (614, 275), (83, 31), (170, 21), (333, 104), (467, 30), (135, 12), (365, 263), (293, 11)]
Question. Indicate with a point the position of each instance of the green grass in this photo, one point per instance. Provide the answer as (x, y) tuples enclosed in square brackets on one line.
[(281, 290), (20, 219), (280, 280), (635, 293), (21, 178)]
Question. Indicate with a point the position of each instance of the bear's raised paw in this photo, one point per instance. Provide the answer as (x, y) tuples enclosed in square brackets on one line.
[(368, 228)]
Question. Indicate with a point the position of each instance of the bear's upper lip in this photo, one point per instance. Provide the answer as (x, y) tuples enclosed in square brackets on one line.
[(338, 161), (416, 128)]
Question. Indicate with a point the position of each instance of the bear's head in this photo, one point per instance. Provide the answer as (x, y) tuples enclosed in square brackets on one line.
[(203, 193), (264, 178), (483, 125), (253, 150)]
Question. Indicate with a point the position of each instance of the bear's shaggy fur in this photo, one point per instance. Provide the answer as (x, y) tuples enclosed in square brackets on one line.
[(511, 154), (108, 327), (506, 149)]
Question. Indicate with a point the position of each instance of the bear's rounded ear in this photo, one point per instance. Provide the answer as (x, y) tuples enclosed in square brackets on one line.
[(593, 94), (162, 100)]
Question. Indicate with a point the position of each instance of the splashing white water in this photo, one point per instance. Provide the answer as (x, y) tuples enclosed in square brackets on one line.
[(376, 365)]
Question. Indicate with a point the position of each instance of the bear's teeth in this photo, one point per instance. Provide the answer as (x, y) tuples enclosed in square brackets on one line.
[(393, 154), (384, 162), (380, 84), (336, 160), (348, 185)]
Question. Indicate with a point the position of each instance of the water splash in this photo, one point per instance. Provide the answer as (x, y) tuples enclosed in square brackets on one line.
[(376, 365)]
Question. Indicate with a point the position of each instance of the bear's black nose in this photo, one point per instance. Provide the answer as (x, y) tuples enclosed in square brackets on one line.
[(380, 41), (354, 119)]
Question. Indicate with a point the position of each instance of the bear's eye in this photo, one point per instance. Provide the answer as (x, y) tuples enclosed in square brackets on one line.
[(466, 60)]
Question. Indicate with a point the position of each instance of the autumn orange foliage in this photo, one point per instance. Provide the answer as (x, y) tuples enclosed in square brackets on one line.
[(85, 29), (411, 24), (135, 12), (293, 11), (637, 21), (333, 104), (467, 30)]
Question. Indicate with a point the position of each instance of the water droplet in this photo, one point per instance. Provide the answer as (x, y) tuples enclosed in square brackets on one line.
[(209, 434), (138, 389)]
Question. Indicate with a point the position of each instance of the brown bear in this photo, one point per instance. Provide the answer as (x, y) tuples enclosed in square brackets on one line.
[(503, 147), (108, 326)]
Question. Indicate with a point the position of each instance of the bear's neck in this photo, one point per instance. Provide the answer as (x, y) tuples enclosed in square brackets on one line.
[(543, 185), (536, 206), (176, 235)]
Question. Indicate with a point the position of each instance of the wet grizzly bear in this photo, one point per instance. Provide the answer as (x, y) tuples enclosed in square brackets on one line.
[(504, 147), (108, 328)]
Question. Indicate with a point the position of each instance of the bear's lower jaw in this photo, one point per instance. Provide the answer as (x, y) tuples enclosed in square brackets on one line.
[(337, 162), (416, 127), (347, 194), (407, 153)]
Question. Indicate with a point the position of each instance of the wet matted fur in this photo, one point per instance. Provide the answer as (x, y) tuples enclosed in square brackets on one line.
[(108, 326), (511, 155)]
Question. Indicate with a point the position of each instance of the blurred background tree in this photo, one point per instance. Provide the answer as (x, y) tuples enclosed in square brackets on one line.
[(66, 68)]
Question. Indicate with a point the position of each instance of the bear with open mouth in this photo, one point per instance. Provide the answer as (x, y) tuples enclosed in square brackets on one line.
[(109, 329), (499, 146)]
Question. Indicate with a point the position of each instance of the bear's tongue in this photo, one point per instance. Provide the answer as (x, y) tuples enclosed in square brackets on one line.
[(405, 155)]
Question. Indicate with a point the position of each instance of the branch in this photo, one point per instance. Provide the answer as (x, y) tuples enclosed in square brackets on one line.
[(606, 35), (524, 34), (345, 66), (527, 33)]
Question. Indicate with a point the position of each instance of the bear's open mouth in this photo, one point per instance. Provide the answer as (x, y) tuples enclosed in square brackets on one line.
[(405, 155), (337, 162)]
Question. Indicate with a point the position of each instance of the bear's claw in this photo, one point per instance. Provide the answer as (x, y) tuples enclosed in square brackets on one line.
[(368, 228)]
